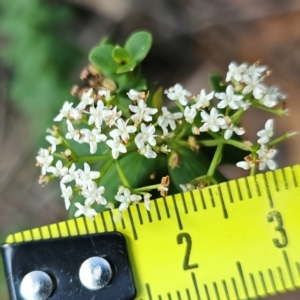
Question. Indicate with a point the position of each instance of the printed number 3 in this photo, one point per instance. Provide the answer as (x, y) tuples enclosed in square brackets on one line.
[(275, 215), (180, 238)]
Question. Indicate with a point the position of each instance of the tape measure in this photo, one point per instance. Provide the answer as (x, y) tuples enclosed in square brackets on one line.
[(233, 241)]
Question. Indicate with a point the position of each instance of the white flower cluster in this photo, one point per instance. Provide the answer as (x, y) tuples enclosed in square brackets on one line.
[(98, 119)]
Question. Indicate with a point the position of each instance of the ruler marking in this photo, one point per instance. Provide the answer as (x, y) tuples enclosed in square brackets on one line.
[(178, 295), (177, 213), (298, 268), (225, 289), (268, 190), (132, 224), (216, 290), (139, 214), (184, 204), (166, 207), (159, 297), (148, 291), (31, 235), (294, 176), (253, 284), (112, 220), (257, 186), (169, 296), (240, 270), (222, 203), (229, 192), (275, 181), (248, 188), (288, 267), (103, 222), (238, 189), (235, 289), (195, 286), (206, 291), (272, 280), (157, 210), (202, 199), (262, 279), (281, 277), (149, 216), (123, 223), (211, 197), (85, 225), (193, 200), (188, 294), (284, 179)]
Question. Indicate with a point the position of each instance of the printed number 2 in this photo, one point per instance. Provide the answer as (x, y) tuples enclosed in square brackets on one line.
[(180, 238), (275, 215)]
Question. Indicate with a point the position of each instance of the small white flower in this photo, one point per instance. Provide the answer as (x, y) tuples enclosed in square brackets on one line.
[(72, 133), (246, 165), (122, 130), (178, 93), (266, 133), (236, 71), (147, 201), (93, 193), (66, 193), (111, 116), (229, 98), (126, 199), (134, 95), (71, 175), (268, 96), (44, 160), (92, 137), (59, 170), (98, 114), (265, 158), (251, 83), (255, 71), (202, 100), (116, 147), (85, 210), (86, 99), (187, 187), (75, 114), (230, 128), (64, 112), (168, 119), (212, 121), (86, 176), (105, 94), (54, 141), (142, 112), (147, 152), (147, 135), (164, 149), (190, 114)]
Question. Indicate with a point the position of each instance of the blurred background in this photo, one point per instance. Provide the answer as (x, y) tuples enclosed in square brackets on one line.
[(44, 46)]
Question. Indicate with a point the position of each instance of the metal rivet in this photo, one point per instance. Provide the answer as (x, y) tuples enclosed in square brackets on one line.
[(95, 273), (36, 285)]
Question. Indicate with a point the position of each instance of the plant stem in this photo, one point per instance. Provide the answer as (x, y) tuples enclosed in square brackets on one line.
[(215, 161), (104, 169), (147, 188), (93, 159), (121, 174)]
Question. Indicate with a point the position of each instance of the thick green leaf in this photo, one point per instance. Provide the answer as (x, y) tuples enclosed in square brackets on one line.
[(121, 56), (217, 83), (129, 67), (101, 57), (138, 45)]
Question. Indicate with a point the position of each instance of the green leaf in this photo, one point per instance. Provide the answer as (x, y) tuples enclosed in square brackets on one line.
[(120, 55), (190, 166), (101, 57), (157, 100), (217, 83), (127, 68), (138, 45)]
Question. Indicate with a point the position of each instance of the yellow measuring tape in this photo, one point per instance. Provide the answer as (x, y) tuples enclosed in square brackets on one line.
[(232, 241)]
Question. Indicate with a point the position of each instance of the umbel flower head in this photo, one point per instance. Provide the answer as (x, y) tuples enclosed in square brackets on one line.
[(119, 144)]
